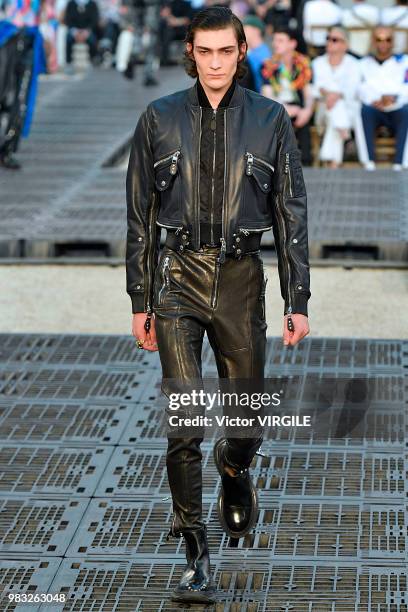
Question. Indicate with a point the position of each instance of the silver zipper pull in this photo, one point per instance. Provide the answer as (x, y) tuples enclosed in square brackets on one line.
[(250, 161), (223, 250), (178, 230), (213, 123), (174, 160)]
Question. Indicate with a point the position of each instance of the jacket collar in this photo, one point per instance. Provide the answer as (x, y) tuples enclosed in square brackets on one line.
[(236, 99)]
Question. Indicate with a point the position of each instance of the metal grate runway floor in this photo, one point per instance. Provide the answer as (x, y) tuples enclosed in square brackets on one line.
[(85, 504)]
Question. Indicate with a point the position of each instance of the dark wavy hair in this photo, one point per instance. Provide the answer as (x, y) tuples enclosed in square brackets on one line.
[(214, 18)]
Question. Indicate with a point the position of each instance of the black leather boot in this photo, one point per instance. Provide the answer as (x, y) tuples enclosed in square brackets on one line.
[(196, 583), (237, 503)]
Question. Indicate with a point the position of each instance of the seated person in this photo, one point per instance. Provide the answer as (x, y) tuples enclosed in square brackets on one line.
[(109, 27), (286, 79), (175, 17), (384, 95), (336, 78), (81, 19), (258, 50)]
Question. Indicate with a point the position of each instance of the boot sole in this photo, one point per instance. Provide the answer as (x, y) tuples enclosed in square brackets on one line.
[(194, 597), (220, 505)]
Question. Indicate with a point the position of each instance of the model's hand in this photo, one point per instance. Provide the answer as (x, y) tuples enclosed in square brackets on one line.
[(139, 332), (301, 325), (302, 117)]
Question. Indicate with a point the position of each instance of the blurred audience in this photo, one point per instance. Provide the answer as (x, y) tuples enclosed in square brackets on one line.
[(362, 16), (286, 78), (175, 17), (397, 17), (336, 78), (258, 50), (319, 14), (81, 19), (108, 29), (384, 95), (345, 93)]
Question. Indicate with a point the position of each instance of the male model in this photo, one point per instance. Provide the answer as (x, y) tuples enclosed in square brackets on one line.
[(216, 165)]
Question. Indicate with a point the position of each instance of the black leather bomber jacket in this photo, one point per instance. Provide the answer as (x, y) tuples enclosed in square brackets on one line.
[(263, 187)]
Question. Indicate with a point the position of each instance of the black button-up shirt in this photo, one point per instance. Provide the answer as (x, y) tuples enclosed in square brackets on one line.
[(212, 149)]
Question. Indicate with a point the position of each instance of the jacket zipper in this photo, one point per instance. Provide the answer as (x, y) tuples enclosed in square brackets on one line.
[(177, 227), (250, 161), (174, 160), (198, 185), (287, 171), (284, 254), (165, 275), (247, 230), (221, 257), (152, 233), (214, 128)]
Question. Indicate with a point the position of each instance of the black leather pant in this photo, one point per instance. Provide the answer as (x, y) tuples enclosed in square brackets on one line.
[(194, 294)]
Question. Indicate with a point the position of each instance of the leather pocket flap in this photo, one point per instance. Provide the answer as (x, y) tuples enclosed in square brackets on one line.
[(163, 177), (263, 177)]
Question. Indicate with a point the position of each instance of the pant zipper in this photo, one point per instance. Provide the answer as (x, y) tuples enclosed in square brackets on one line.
[(215, 286), (165, 276)]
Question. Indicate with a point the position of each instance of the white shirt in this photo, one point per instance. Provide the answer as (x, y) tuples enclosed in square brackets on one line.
[(319, 13), (396, 16), (344, 78), (389, 78), (361, 15)]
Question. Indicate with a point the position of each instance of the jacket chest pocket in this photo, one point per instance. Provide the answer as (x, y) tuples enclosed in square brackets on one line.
[(257, 185), (167, 182)]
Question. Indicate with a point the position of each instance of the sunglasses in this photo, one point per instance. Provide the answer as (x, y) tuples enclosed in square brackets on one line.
[(388, 40), (334, 39)]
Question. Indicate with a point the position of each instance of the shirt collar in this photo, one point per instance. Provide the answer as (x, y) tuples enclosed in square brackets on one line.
[(203, 100)]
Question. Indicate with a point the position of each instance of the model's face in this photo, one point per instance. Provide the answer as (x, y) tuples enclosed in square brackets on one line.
[(216, 55), (282, 44)]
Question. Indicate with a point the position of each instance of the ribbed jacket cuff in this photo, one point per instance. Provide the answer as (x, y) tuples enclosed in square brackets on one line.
[(299, 304), (137, 302)]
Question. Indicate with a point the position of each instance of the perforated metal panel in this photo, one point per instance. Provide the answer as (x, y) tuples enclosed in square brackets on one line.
[(335, 474), (37, 526), (243, 586), (83, 474), (51, 470), (27, 577)]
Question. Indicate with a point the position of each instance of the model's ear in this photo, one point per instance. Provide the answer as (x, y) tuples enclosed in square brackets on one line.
[(242, 50)]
